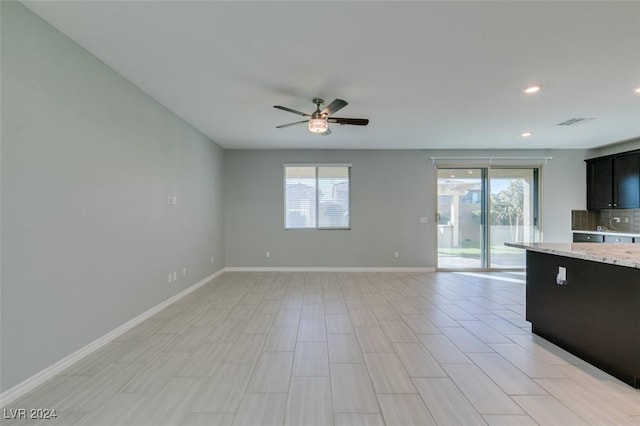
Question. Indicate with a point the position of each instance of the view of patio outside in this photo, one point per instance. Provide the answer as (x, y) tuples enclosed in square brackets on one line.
[(461, 230)]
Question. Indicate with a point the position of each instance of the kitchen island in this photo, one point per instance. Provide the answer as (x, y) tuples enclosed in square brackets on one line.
[(585, 298)]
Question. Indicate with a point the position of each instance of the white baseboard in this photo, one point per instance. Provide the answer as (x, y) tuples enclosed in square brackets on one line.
[(37, 379), (323, 269)]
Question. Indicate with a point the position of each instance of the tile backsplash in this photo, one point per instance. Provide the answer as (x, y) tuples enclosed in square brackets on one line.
[(584, 220)]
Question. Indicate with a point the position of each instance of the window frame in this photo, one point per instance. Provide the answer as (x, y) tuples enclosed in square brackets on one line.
[(316, 166)]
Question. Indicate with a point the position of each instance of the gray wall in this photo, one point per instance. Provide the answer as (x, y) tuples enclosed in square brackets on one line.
[(88, 161), (391, 190), (616, 148), (564, 188)]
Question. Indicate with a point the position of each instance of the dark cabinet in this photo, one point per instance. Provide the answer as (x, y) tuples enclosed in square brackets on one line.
[(616, 239), (593, 313), (613, 182), (626, 181), (579, 237)]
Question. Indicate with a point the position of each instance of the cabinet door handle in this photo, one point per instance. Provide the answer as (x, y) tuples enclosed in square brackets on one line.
[(609, 204), (615, 205)]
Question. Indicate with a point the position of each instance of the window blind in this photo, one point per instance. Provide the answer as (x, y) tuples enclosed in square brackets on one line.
[(317, 196)]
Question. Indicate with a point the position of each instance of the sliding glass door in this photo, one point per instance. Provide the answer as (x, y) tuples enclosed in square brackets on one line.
[(479, 209), (460, 225), (513, 208)]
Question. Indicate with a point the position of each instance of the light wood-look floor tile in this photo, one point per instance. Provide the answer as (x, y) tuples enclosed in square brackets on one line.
[(314, 347), (418, 361), (258, 324), (508, 420), (170, 405), (261, 409), (309, 402), (98, 389), (205, 360), (343, 419), (443, 350), (119, 410), (272, 373), (281, 339), (397, 331), (339, 324), (527, 361), (351, 389), (446, 403), (344, 348), (246, 348), (465, 340), (405, 410), (590, 406), (388, 373), (363, 318), (506, 375), (208, 419), (157, 373), (312, 331), (419, 324), (547, 410), (224, 391), (287, 317), (373, 339), (226, 331), (146, 350), (311, 359), (481, 391), (313, 311)]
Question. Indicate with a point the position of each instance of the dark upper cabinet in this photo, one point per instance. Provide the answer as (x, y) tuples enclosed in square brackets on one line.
[(626, 181), (613, 182)]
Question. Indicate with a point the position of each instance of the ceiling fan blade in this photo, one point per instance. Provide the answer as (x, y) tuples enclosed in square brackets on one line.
[(334, 106), (282, 126), (292, 110), (352, 121)]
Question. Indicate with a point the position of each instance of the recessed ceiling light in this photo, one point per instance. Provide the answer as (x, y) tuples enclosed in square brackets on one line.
[(526, 134), (637, 90), (532, 89)]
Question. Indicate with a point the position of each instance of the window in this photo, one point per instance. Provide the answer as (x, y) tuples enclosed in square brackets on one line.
[(317, 196)]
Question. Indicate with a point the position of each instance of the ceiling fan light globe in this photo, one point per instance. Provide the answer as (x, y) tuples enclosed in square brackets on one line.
[(318, 125)]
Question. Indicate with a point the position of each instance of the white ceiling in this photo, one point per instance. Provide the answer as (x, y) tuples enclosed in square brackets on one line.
[(427, 74)]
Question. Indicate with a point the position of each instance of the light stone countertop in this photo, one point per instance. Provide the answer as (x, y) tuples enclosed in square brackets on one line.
[(615, 254), (613, 233)]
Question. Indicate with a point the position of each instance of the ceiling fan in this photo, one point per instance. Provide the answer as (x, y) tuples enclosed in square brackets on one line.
[(318, 122)]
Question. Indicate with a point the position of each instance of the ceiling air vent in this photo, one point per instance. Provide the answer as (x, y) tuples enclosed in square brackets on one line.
[(574, 121)]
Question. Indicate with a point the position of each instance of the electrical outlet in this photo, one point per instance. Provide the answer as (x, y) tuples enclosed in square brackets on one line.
[(561, 276), (267, 254), (212, 260), (396, 255), (184, 272), (175, 275), (170, 277)]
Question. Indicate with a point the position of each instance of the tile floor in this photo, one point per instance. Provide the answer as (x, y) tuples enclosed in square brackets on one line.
[(322, 348)]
